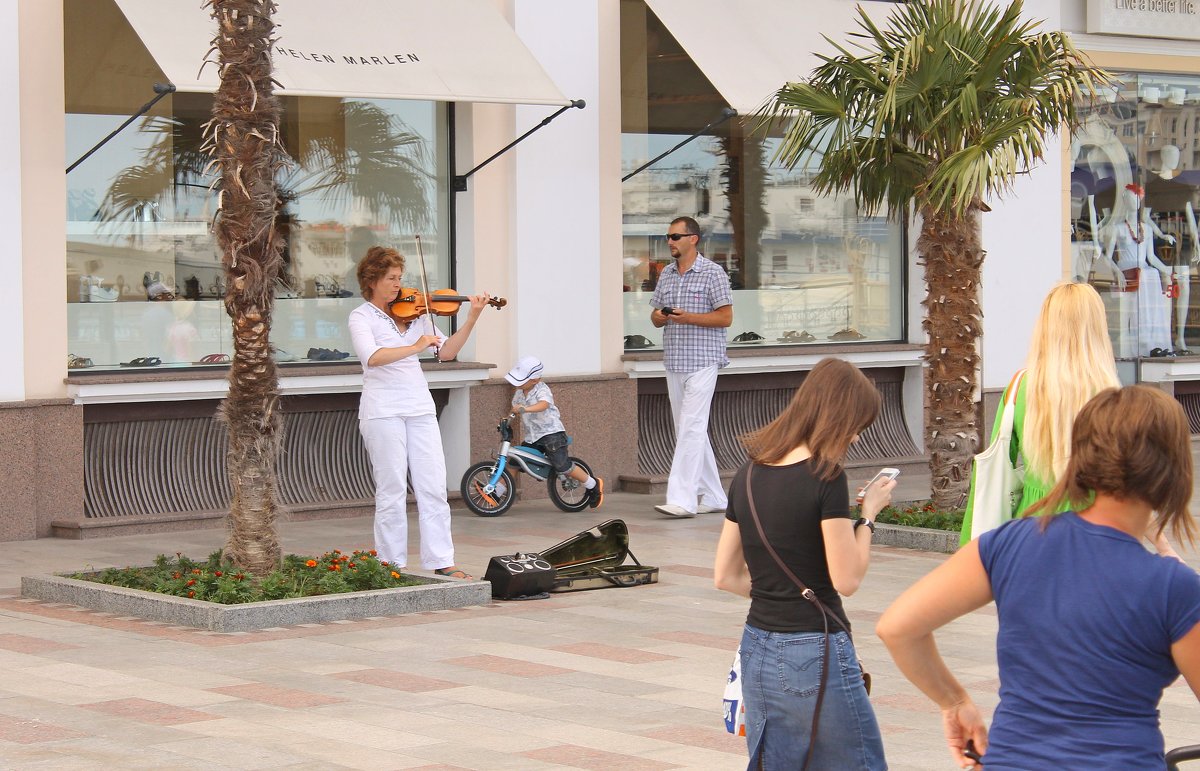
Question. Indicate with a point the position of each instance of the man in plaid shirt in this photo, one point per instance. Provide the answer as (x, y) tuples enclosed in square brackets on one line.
[(694, 302)]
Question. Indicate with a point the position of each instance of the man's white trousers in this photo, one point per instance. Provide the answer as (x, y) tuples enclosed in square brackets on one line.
[(694, 467)]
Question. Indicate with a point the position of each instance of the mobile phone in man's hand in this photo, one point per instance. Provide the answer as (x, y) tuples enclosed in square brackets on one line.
[(667, 311), (887, 473)]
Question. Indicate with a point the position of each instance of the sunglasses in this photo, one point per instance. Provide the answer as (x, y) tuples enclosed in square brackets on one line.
[(677, 236)]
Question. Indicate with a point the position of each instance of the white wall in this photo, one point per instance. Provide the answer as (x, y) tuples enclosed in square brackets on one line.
[(12, 348), (558, 270), (1023, 236)]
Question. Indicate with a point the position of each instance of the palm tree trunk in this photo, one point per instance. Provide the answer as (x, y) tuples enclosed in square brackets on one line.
[(951, 252), (244, 137)]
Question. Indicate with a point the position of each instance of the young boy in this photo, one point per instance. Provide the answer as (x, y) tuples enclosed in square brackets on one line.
[(543, 428)]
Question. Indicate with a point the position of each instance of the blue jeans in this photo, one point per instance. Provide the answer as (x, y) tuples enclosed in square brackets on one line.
[(781, 673)]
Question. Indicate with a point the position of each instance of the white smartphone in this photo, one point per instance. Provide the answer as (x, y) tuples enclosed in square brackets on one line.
[(886, 473)]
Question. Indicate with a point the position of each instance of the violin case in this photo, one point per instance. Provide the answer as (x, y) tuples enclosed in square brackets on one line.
[(595, 559)]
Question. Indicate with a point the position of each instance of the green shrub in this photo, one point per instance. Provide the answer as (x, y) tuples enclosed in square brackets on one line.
[(217, 579)]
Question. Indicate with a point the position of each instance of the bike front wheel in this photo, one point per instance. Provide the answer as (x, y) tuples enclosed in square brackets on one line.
[(483, 503), (569, 494)]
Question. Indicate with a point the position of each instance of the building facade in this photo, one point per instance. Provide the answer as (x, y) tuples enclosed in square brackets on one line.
[(118, 330)]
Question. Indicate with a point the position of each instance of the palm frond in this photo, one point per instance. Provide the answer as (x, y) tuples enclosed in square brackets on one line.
[(942, 106)]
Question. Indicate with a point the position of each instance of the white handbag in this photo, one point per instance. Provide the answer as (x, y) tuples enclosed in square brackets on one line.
[(998, 485), (734, 706)]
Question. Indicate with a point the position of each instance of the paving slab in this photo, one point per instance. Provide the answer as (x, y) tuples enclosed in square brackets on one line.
[(613, 678)]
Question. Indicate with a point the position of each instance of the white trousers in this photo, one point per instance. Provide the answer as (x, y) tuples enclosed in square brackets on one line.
[(398, 447), (693, 467)]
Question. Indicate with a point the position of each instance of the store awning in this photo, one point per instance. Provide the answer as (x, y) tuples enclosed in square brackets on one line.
[(442, 50), (749, 48)]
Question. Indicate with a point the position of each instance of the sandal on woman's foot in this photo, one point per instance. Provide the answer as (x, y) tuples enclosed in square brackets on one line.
[(453, 572)]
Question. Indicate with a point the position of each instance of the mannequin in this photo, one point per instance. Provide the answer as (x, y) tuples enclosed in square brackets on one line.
[(1130, 249), (1172, 196)]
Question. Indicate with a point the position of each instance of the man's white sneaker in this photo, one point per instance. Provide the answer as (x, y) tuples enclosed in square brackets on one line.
[(702, 509), (671, 510)]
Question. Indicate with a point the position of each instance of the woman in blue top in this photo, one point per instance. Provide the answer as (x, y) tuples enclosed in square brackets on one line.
[(1093, 627)]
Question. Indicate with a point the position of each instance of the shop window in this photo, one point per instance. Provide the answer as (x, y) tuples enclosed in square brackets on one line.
[(798, 262), (1134, 196), (144, 275)]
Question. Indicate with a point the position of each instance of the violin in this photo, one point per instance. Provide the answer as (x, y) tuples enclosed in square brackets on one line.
[(410, 304)]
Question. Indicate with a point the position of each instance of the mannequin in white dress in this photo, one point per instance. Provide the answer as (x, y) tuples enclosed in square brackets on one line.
[(1131, 249), (1167, 193)]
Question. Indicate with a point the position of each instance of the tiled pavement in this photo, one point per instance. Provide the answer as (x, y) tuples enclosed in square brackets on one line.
[(612, 679)]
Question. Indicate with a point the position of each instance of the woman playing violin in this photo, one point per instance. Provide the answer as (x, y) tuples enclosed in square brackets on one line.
[(396, 414)]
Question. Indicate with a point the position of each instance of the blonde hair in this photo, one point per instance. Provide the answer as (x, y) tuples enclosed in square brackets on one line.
[(1070, 361), (1130, 444)]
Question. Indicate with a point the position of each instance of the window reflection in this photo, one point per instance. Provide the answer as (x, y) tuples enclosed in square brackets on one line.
[(145, 279), (1135, 188), (805, 268)]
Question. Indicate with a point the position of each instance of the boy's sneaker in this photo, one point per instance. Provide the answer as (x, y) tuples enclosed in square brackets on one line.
[(595, 496)]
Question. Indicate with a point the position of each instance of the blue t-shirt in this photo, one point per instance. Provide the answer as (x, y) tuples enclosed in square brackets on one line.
[(1087, 620)]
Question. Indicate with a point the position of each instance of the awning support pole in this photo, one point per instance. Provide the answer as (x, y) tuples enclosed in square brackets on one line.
[(726, 114), (159, 89), (460, 180)]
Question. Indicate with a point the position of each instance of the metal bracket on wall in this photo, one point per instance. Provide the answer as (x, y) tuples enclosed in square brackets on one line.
[(459, 181)]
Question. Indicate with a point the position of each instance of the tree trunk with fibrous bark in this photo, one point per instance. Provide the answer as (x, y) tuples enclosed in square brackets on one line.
[(243, 139)]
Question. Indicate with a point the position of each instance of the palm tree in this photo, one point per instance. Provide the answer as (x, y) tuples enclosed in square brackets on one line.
[(933, 115), (243, 139)]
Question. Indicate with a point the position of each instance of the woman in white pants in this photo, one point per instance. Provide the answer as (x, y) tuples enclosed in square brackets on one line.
[(396, 414)]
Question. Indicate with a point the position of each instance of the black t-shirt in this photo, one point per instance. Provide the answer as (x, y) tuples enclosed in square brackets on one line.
[(791, 503)]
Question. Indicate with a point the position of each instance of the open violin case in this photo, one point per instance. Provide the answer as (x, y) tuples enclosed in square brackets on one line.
[(595, 559)]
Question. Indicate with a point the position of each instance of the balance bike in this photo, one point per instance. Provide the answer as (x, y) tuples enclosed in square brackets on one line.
[(487, 487)]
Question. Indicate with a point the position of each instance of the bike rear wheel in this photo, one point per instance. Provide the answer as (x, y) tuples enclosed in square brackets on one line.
[(569, 494), (486, 504)]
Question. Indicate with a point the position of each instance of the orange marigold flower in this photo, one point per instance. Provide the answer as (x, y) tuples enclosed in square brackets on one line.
[(191, 582), (384, 563), (217, 573), (311, 563), (191, 594), (351, 565), (176, 575), (337, 551), (239, 577), (196, 571), (395, 574), (374, 553)]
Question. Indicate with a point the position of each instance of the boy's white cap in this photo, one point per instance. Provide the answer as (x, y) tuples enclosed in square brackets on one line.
[(527, 368)]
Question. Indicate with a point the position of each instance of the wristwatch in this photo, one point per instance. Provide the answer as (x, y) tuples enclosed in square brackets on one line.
[(864, 521)]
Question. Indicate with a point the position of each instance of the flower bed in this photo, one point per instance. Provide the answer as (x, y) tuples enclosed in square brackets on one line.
[(918, 526), (218, 580)]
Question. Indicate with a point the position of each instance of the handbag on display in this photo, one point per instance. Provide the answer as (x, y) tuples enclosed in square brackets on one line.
[(998, 484), (1132, 277), (735, 707)]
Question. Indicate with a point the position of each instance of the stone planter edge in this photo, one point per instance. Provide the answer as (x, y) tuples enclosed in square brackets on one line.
[(925, 539), (432, 594)]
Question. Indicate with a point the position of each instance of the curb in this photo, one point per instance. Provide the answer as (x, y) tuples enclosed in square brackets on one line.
[(944, 541), (433, 594)]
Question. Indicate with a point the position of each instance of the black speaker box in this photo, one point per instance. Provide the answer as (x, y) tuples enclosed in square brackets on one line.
[(519, 575)]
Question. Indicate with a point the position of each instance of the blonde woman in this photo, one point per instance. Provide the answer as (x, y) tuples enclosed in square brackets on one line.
[(1070, 361)]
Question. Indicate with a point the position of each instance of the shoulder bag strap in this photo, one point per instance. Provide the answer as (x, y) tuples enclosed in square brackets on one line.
[(1010, 406), (809, 595)]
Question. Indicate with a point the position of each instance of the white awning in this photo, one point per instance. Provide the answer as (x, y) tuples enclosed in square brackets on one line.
[(442, 50), (748, 49)]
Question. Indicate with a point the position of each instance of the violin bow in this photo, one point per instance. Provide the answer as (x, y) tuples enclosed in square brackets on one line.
[(428, 298)]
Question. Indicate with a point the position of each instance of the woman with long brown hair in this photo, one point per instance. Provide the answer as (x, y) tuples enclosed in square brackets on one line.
[(1093, 626), (789, 515)]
